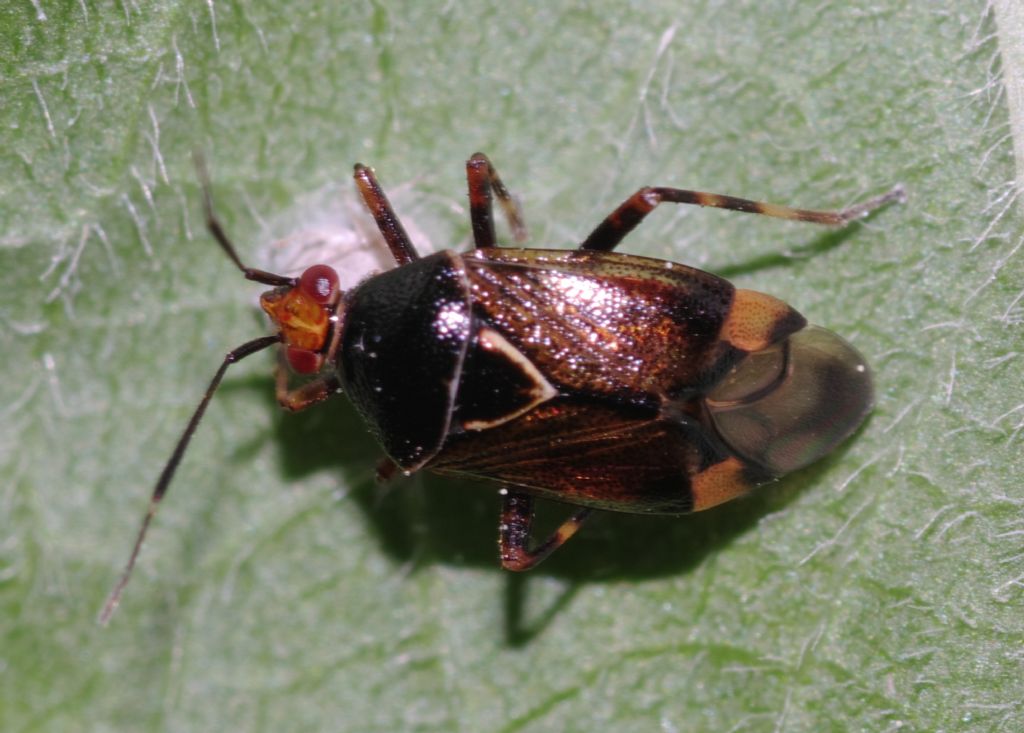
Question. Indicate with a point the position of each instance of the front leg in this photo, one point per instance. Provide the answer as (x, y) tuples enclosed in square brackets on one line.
[(311, 393), (388, 223)]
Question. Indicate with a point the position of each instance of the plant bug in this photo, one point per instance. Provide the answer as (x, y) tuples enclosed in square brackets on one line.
[(598, 379)]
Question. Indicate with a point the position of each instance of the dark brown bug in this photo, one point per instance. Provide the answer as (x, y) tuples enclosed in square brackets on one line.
[(598, 379)]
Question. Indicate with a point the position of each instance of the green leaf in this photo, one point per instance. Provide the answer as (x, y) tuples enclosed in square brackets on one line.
[(280, 589)]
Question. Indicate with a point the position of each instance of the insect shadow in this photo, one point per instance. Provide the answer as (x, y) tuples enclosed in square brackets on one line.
[(430, 519), (818, 245)]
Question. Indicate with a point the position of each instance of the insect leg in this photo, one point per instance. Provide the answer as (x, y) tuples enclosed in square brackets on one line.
[(390, 227), (309, 394), (386, 470), (483, 180), (632, 211), (514, 532)]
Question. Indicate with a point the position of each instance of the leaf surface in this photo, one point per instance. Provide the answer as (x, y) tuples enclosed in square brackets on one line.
[(280, 589)]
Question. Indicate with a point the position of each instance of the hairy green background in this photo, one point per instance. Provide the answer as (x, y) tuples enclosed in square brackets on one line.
[(281, 590)]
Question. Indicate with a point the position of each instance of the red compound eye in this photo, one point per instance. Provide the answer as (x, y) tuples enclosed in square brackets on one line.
[(303, 361), (319, 282)]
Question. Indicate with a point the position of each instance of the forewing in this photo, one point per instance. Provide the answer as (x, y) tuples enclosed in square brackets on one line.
[(589, 453), (603, 323)]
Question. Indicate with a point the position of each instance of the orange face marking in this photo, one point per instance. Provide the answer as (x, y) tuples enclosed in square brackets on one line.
[(304, 323), (754, 319), (718, 484)]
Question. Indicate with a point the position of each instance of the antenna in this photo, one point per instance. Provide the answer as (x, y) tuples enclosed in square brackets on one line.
[(246, 349), (171, 467)]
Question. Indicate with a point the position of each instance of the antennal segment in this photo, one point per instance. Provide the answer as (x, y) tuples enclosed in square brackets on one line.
[(213, 225), (171, 467)]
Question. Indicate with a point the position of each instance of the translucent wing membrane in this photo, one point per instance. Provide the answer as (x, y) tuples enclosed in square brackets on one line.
[(787, 406)]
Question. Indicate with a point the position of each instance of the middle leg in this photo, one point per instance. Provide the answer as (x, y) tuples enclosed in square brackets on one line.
[(483, 180), (514, 532), (296, 399)]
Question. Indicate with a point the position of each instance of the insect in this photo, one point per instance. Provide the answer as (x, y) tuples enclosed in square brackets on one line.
[(598, 379)]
